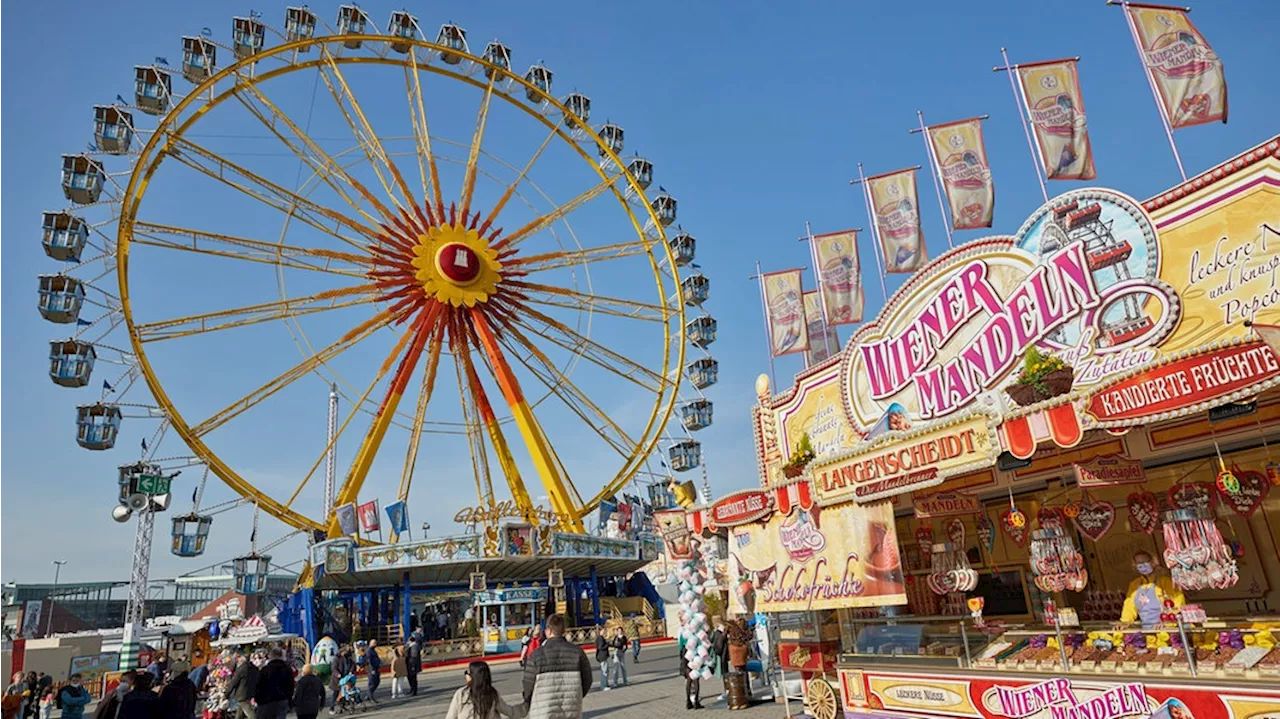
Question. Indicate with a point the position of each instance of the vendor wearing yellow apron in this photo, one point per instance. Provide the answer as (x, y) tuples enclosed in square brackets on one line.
[(1147, 594)]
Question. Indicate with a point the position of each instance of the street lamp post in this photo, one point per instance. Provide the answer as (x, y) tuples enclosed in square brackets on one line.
[(57, 572)]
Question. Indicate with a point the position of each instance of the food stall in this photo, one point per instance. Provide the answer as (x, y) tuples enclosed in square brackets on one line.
[(1042, 480), (507, 613)]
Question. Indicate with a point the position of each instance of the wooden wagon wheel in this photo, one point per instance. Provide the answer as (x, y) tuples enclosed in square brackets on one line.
[(820, 699)]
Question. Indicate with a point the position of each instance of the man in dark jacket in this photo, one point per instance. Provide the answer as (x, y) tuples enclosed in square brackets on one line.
[(308, 696), (557, 676), (73, 697), (373, 665), (109, 705), (243, 685), (342, 665), (141, 703), (413, 657), (275, 687), (178, 698)]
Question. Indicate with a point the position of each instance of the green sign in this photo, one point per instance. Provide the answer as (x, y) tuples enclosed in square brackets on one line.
[(153, 484)]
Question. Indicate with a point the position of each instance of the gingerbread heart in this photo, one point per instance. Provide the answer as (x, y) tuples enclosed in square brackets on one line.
[(1095, 519), (955, 531), (1144, 511), (1253, 489), (1051, 518), (1193, 494), (986, 532), (1017, 533)]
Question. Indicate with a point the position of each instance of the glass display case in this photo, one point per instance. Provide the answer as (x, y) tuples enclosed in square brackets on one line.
[(1238, 648), (942, 641)]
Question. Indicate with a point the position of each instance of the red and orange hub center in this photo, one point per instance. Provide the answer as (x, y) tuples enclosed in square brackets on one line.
[(458, 263)]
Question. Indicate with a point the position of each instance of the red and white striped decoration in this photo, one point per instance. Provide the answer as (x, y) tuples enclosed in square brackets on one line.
[(790, 495)]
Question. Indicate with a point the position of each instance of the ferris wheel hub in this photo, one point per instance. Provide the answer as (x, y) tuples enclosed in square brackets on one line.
[(456, 266), (458, 263)]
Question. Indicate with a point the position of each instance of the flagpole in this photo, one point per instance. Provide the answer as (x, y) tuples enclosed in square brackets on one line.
[(764, 315), (1020, 100), (875, 229), (934, 171), (1151, 82)]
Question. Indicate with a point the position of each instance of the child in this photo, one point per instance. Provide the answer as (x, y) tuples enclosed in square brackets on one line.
[(46, 704)]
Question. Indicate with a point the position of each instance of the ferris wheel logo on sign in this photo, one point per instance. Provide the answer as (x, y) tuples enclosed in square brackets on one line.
[(1049, 81)]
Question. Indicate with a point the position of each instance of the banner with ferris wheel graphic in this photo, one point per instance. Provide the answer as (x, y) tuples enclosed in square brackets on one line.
[(1187, 72), (840, 276), (1051, 92), (961, 156), (897, 220), (784, 312)]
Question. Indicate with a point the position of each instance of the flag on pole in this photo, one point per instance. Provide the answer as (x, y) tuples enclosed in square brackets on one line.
[(346, 514), (840, 274), (1051, 94), (106, 386), (785, 307), (397, 517), (144, 444), (823, 343), (1187, 72), (897, 220), (961, 157), (369, 520)]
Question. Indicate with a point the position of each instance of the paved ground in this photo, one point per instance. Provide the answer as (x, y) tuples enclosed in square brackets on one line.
[(654, 691)]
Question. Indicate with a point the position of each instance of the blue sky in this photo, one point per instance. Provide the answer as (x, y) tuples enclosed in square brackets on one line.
[(755, 115)]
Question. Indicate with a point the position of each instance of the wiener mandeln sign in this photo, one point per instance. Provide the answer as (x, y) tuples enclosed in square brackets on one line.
[(900, 463), (1203, 378)]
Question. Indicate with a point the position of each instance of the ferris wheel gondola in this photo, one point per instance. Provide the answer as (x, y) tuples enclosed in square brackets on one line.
[(508, 301)]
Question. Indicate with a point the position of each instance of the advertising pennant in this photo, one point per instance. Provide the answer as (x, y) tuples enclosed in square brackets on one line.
[(783, 299), (897, 220), (961, 156), (369, 520), (1051, 91), (346, 517), (822, 339), (1187, 72), (840, 274)]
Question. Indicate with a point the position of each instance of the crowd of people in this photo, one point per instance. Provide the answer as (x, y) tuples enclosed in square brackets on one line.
[(557, 675)]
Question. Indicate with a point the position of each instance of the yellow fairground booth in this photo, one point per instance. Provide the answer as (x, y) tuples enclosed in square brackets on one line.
[(1046, 474)]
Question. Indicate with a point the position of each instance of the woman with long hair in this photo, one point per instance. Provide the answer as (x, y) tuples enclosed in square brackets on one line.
[(478, 699)]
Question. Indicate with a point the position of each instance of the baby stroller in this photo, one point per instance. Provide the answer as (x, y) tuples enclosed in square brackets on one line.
[(349, 696)]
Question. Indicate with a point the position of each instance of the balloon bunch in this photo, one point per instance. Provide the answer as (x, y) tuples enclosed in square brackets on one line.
[(693, 619)]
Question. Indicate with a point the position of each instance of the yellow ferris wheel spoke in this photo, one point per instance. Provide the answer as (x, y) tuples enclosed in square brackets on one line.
[(272, 253), (540, 366), (508, 193), (290, 375), (544, 459), (351, 414), (423, 327), (270, 194), (484, 413), (475, 440), (572, 258), (573, 299), (477, 138), (420, 413), (257, 314), (364, 133), (566, 338), (324, 165), (559, 213), (422, 134)]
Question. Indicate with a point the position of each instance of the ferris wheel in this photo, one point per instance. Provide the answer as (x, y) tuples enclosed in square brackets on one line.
[(485, 279)]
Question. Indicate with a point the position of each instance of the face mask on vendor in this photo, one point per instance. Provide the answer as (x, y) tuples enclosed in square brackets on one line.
[(1143, 564)]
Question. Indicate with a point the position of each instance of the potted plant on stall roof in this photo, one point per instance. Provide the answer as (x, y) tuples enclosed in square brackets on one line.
[(799, 459), (1042, 377)]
